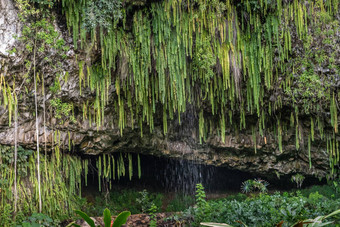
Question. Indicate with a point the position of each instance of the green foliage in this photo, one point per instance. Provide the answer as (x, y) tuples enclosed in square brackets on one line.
[(107, 218), (318, 221), (62, 110), (225, 58), (329, 191), (220, 57), (179, 203), (6, 215), (204, 59), (249, 186), (146, 201), (110, 168), (310, 89), (86, 218), (102, 13), (61, 178), (268, 210), (118, 222), (298, 180), (55, 87), (200, 196), (202, 207), (39, 220), (121, 219), (7, 160), (127, 199), (238, 197), (44, 3), (153, 217), (39, 34), (40, 38)]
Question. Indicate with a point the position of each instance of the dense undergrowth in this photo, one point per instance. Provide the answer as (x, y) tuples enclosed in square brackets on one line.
[(254, 209), (269, 209)]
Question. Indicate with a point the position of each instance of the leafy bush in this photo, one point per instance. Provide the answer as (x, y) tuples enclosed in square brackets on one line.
[(7, 160), (316, 222), (265, 210), (40, 220), (329, 191), (102, 13), (144, 201), (5, 215)]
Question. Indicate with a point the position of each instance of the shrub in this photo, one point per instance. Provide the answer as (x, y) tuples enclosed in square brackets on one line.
[(265, 210), (40, 220)]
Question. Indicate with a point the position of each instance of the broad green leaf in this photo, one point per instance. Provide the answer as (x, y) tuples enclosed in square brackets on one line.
[(121, 219), (86, 218), (107, 218)]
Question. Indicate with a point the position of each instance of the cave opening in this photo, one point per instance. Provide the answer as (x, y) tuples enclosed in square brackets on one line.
[(170, 175), (167, 175)]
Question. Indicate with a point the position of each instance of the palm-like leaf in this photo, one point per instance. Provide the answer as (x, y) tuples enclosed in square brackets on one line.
[(86, 218), (107, 218), (121, 219), (316, 222)]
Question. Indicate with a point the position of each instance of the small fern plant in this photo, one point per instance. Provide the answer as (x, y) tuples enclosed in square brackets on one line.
[(249, 186)]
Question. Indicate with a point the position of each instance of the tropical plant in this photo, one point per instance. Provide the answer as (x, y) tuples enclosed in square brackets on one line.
[(318, 221), (265, 210), (119, 221), (254, 185)]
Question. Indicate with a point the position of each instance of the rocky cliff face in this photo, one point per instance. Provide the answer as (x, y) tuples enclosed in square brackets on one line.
[(9, 25), (181, 141)]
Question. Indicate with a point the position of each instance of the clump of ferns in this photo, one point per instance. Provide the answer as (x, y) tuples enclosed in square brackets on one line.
[(256, 185)]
